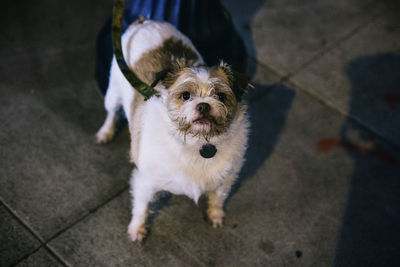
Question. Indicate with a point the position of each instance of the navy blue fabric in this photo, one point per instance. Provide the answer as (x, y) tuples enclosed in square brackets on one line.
[(205, 22)]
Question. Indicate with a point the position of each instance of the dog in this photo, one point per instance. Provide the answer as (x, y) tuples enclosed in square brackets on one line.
[(190, 138)]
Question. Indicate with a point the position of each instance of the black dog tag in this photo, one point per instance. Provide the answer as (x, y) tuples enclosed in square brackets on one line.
[(208, 151)]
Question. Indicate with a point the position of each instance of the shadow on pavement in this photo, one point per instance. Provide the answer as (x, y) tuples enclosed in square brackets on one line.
[(370, 228), (268, 107)]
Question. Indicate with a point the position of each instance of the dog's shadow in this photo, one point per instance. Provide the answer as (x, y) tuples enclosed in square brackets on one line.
[(268, 106)]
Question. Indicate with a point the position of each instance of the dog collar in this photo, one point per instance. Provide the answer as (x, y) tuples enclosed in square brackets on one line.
[(208, 151)]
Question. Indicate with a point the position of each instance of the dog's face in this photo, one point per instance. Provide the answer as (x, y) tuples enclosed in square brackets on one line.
[(202, 101)]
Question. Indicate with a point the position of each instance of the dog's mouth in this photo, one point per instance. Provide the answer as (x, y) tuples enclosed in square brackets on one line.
[(202, 124), (202, 121), (205, 126)]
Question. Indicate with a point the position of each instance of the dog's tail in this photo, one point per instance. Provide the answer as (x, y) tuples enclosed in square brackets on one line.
[(140, 20)]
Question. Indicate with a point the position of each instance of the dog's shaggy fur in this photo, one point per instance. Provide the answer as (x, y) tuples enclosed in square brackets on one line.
[(196, 105)]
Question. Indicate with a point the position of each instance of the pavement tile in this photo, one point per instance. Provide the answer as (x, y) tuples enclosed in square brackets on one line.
[(50, 110), (101, 240), (361, 77), (15, 240), (40, 258), (67, 24), (286, 34)]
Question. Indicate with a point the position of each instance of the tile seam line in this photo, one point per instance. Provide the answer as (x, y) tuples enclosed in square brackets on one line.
[(25, 256), (45, 243), (83, 217), (32, 232), (334, 44), (288, 76), (56, 255), (319, 54), (44, 246), (21, 221)]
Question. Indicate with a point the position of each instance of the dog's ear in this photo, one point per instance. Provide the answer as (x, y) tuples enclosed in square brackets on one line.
[(238, 81), (159, 76), (167, 77), (240, 84)]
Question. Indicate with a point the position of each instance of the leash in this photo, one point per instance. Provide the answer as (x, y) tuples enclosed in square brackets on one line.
[(118, 13)]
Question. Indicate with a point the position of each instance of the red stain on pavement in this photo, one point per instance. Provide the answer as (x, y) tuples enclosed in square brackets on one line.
[(325, 145), (392, 100)]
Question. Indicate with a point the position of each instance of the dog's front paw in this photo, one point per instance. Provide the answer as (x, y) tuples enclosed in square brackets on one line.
[(104, 136), (215, 215), (137, 233)]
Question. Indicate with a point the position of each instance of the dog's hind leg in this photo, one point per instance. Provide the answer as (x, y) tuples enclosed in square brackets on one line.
[(112, 103)]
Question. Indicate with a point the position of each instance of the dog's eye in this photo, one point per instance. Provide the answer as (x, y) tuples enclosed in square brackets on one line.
[(185, 95), (221, 97)]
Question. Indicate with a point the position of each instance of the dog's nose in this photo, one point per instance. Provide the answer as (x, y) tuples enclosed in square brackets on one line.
[(203, 108)]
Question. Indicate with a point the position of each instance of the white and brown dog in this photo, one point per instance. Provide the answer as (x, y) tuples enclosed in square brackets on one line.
[(190, 139)]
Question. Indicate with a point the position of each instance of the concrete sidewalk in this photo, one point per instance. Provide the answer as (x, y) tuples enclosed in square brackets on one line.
[(321, 186)]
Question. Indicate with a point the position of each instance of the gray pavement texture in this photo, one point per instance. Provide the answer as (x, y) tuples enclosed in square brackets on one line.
[(321, 186)]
